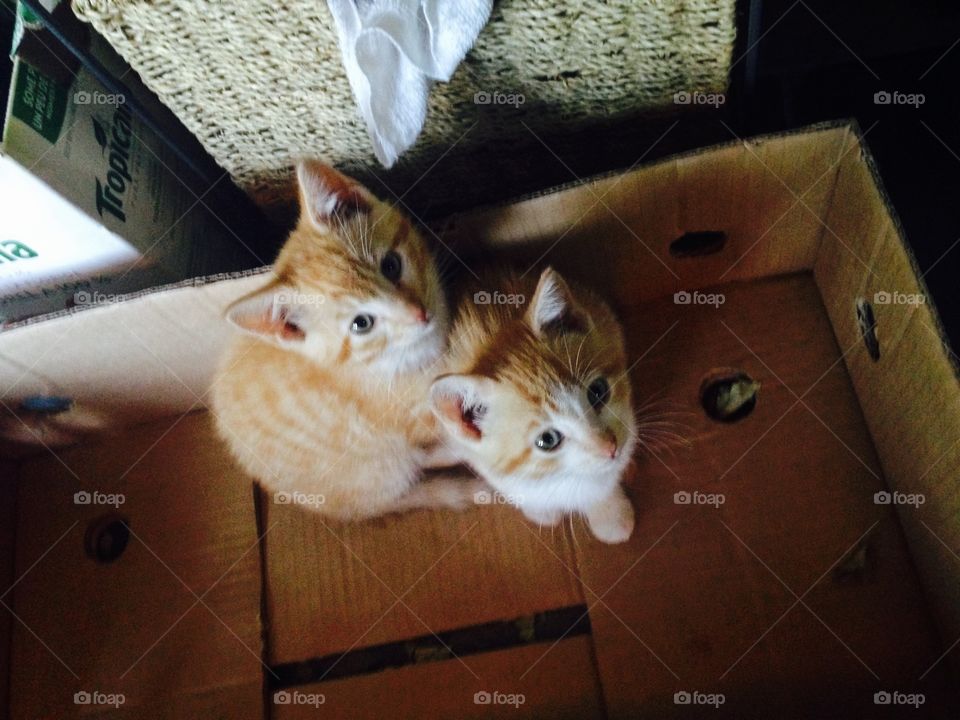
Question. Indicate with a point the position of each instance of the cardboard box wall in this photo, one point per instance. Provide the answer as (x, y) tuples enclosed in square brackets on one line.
[(223, 599)]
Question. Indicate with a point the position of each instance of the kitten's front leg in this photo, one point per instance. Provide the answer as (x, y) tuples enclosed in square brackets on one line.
[(611, 520), (454, 492), (439, 455)]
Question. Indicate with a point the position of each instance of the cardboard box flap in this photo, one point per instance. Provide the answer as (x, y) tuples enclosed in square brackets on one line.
[(121, 362)]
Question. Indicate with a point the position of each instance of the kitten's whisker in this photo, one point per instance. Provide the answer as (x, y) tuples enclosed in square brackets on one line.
[(662, 420), (664, 441), (576, 370), (655, 398), (573, 531)]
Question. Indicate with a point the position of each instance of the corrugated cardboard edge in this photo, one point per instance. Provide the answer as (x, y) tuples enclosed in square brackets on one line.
[(129, 297)]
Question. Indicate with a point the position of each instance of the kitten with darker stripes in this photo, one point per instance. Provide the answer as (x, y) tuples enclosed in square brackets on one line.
[(537, 400), (325, 393)]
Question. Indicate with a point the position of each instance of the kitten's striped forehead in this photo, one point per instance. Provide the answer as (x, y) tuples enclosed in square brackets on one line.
[(542, 370), (347, 265), (517, 357)]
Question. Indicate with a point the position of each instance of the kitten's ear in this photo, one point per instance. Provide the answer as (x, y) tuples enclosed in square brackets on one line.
[(553, 308), (326, 193), (271, 313), (460, 403)]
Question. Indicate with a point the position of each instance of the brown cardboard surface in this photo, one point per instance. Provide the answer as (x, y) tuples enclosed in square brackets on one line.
[(700, 598), (135, 626), (910, 397), (766, 194), (556, 682), (333, 587)]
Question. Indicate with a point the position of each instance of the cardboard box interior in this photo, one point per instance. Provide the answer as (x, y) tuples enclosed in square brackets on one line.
[(799, 595)]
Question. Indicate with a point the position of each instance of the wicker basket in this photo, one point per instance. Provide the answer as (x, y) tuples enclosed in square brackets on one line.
[(261, 82)]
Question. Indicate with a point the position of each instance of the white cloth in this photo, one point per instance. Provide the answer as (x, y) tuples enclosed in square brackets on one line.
[(392, 50)]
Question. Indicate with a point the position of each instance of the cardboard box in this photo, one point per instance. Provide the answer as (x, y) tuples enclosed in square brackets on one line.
[(94, 205), (799, 562)]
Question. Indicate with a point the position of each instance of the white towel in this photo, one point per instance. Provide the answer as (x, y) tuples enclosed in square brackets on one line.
[(392, 50)]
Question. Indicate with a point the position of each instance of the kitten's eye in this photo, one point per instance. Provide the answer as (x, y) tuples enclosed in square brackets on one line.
[(549, 440), (362, 324), (598, 393), (391, 266)]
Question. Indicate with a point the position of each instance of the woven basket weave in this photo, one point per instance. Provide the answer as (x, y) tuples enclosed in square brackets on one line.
[(261, 82)]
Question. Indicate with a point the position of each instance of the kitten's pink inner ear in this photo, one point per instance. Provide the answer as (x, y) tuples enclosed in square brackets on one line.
[(553, 308), (257, 317), (281, 328), (325, 192), (452, 408)]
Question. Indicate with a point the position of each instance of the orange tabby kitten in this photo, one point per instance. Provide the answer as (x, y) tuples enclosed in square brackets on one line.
[(539, 403), (324, 398)]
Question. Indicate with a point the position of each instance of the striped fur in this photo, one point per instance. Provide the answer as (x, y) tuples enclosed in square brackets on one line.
[(309, 407), (516, 370)]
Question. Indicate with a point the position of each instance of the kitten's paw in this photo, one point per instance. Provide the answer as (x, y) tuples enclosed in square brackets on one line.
[(612, 520), (543, 518)]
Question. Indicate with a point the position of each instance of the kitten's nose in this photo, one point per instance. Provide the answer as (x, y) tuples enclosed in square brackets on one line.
[(420, 314), (608, 445)]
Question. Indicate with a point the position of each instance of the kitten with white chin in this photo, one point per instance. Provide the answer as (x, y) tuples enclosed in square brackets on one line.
[(538, 402), (325, 392)]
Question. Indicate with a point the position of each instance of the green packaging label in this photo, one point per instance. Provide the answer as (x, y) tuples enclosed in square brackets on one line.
[(39, 102)]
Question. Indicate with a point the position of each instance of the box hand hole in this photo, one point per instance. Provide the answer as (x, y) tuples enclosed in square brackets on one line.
[(106, 538), (695, 244), (728, 395), (867, 322)]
